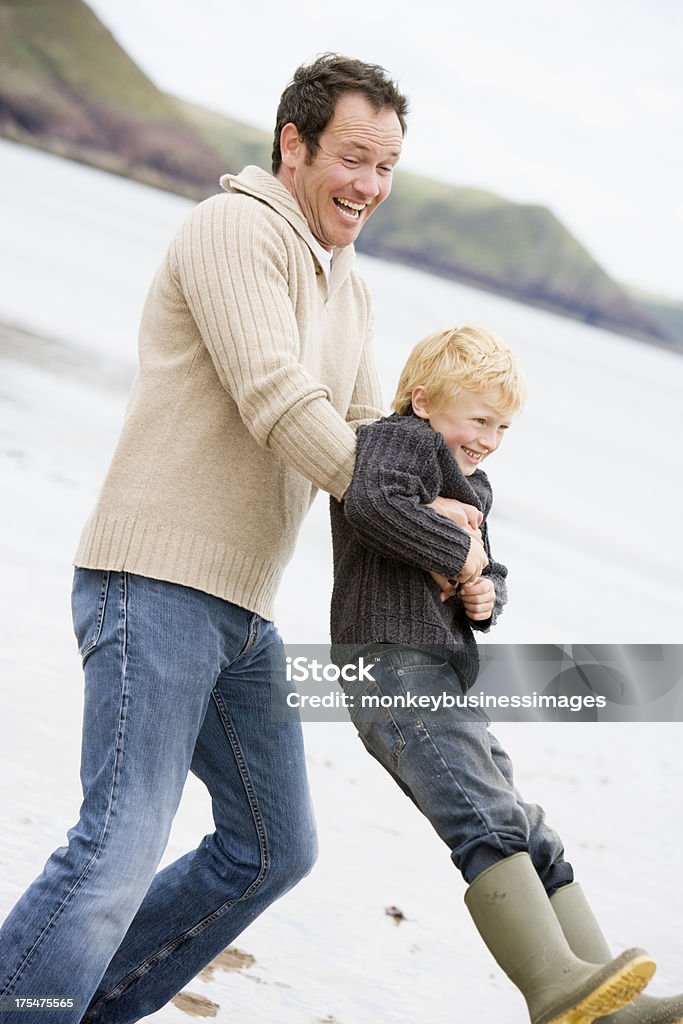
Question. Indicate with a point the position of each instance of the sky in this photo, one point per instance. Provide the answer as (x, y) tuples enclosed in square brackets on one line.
[(576, 105)]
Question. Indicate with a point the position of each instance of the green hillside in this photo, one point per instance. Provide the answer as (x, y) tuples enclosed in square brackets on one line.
[(667, 312), (522, 251), (66, 85), (237, 144)]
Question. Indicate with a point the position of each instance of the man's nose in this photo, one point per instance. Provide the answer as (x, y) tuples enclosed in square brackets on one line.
[(366, 183)]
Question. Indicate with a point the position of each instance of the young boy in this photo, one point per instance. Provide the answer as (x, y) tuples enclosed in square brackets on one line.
[(410, 586)]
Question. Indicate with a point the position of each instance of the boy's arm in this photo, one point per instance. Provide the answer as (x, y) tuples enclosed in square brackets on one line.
[(396, 475)]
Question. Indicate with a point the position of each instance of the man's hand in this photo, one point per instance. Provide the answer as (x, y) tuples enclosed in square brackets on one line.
[(459, 512), (478, 598), (447, 588), (468, 518), (475, 563)]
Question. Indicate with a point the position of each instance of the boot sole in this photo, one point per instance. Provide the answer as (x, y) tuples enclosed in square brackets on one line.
[(628, 975)]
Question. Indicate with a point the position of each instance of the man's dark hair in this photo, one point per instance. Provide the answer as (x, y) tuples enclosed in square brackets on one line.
[(310, 98)]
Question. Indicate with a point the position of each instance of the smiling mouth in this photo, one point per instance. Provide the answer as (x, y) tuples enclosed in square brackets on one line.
[(351, 211), (471, 454)]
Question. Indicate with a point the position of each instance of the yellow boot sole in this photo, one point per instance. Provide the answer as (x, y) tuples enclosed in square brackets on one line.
[(618, 989)]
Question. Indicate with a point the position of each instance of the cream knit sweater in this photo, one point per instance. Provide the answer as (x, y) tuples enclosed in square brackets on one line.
[(253, 373)]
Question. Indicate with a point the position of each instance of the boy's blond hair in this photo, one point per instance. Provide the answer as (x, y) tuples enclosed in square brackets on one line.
[(461, 359)]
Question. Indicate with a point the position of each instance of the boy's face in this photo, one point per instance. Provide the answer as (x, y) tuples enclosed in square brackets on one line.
[(471, 425)]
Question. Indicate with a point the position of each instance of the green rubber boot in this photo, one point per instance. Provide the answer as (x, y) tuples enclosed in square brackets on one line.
[(585, 938), (515, 919)]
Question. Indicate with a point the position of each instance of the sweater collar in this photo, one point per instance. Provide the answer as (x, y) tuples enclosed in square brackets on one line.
[(254, 181), (473, 489)]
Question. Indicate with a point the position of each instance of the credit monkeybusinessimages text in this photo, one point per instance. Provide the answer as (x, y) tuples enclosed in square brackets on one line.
[(305, 670)]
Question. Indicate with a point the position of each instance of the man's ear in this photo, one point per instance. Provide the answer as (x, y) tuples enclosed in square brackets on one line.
[(290, 145), (420, 402)]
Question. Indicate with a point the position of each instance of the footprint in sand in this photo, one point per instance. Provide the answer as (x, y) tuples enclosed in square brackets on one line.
[(194, 1005), (231, 959)]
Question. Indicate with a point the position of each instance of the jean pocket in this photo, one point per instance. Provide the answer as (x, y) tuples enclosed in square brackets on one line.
[(377, 727), (415, 662), (88, 606)]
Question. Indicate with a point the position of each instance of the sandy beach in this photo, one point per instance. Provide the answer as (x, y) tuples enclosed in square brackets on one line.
[(329, 953)]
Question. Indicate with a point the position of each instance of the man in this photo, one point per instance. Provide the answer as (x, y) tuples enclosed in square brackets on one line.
[(255, 367)]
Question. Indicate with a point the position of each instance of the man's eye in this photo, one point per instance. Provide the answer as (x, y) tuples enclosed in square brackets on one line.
[(386, 170), (350, 161)]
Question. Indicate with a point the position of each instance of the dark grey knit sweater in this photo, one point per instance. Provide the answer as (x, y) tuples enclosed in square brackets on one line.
[(384, 541)]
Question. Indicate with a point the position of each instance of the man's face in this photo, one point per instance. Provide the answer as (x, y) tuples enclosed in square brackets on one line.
[(351, 173), (471, 425)]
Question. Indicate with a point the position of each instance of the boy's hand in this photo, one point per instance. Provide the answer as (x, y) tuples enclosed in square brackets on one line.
[(478, 598), (471, 571), (476, 561), (459, 512)]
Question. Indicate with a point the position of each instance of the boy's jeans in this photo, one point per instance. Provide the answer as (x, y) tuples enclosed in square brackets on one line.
[(174, 680), (452, 767)]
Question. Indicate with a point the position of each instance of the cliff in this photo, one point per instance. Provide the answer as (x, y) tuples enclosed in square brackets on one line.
[(66, 85)]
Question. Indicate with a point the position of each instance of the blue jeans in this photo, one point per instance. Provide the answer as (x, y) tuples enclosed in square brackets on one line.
[(450, 765), (175, 680)]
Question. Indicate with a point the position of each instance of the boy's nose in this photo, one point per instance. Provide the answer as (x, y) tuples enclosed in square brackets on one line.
[(489, 439)]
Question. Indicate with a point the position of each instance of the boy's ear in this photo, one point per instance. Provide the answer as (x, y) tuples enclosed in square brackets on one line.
[(420, 402)]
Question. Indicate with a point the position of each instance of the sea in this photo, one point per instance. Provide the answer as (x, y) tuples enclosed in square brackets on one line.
[(588, 484)]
